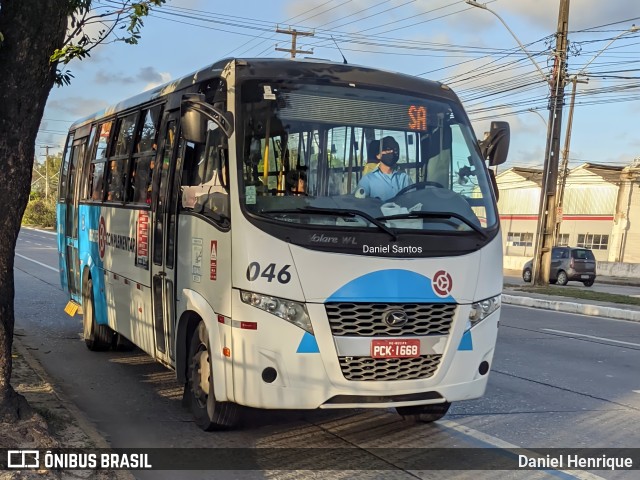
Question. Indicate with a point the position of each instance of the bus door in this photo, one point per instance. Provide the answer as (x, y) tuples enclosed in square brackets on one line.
[(74, 282), (163, 243)]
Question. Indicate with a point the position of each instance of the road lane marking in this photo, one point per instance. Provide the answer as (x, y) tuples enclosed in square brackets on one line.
[(592, 337), (490, 440), (39, 263)]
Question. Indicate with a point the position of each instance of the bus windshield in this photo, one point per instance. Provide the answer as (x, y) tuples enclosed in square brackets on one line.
[(345, 157)]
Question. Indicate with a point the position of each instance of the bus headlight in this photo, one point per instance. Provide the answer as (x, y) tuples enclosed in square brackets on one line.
[(292, 312), (482, 309)]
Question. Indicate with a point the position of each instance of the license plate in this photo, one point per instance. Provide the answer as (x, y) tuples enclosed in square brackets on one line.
[(395, 348), (584, 276)]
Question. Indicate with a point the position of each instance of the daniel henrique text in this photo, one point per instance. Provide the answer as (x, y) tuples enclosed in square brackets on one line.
[(576, 462)]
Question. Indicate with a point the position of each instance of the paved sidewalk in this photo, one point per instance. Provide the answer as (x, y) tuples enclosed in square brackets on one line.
[(67, 425)]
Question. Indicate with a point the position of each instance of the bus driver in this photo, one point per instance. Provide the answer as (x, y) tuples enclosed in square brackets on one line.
[(385, 181)]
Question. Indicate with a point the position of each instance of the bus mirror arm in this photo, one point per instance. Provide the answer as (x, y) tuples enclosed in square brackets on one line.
[(194, 110)]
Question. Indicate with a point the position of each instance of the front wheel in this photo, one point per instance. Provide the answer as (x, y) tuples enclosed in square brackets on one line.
[(424, 413), (96, 337), (526, 275), (208, 413)]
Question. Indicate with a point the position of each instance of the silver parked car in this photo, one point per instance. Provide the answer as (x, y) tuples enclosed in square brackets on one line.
[(567, 264)]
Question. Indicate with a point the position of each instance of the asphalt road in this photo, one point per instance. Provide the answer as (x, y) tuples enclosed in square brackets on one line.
[(557, 381)]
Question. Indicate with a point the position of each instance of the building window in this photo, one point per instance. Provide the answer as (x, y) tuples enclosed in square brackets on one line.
[(563, 240), (593, 241), (516, 239)]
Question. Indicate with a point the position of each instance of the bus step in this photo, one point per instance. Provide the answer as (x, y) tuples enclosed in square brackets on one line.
[(72, 308)]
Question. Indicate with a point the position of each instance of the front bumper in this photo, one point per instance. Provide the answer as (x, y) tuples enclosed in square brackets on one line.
[(309, 374)]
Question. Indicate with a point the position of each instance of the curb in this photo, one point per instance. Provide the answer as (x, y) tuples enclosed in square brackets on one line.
[(571, 307), (83, 422)]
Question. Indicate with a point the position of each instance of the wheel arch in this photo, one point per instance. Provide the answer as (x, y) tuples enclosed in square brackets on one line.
[(197, 310), (187, 324), (92, 271)]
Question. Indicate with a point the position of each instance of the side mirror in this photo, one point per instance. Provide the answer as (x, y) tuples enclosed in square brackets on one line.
[(194, 127), (495, 147), (194, 111)]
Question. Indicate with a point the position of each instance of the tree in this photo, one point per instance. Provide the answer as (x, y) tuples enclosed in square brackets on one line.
[(38, 40)]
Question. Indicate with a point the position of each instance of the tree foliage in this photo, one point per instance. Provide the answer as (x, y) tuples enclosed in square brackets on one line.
[(115, 21), (38, 41)]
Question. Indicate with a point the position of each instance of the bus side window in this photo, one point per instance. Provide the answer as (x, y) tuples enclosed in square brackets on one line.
[(62, 192), (143, 162), (85, 181), (116, 170), (96, 170)]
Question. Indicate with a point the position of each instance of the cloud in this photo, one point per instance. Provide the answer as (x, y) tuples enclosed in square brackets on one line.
[(543, 14), (582, 13), (163, 78), (74, 107), (145, 74)]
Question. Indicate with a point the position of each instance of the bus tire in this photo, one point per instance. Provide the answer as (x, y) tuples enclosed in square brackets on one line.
[(96, 337), (424, 413), (208, 413)]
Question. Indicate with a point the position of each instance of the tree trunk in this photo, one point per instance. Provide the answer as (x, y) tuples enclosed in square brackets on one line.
[(32, 30)]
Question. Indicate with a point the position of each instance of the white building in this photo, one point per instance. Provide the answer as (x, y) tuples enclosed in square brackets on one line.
[(601, 211)]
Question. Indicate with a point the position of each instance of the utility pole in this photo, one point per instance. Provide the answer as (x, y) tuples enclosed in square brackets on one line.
[(46, 173), (294, 37), (547, 211), (564, 169)]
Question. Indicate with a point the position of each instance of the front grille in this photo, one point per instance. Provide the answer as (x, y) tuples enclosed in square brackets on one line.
[(367, 319), (381, 369)]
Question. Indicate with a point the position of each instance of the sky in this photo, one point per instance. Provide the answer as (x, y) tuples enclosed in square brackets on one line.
[(467, 48)]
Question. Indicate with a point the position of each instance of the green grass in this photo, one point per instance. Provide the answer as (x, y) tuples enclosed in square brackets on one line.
[(578, 293), (56, 422)]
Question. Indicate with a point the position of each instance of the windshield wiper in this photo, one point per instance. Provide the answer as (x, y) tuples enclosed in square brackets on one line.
[(341, 212), (420, 214)]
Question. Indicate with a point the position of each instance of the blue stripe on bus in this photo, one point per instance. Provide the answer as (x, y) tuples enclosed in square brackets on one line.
[(89, 252), (308, 344), (389, 286), (466, 342)]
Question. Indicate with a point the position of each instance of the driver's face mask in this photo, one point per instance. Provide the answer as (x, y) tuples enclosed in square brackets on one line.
[(389, 159)]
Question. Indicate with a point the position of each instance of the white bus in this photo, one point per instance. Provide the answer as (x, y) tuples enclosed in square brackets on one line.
[(226, 224)]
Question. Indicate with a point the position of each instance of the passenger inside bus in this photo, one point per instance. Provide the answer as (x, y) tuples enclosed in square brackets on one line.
[(373, 152), (296, 183), (205, 177)]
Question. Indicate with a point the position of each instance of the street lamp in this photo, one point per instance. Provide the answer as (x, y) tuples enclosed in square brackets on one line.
[(483, 6), (538, 113), (546, 227)]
